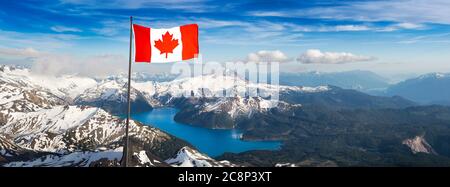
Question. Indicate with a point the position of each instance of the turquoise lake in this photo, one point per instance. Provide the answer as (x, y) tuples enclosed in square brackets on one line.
[(213, 142)]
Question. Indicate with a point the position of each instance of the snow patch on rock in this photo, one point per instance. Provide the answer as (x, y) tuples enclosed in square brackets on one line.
[(188, 157), (79, 158), (142, 158)]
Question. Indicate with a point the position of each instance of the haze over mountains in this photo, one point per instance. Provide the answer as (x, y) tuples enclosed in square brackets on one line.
[(432, 88), (358, 80)]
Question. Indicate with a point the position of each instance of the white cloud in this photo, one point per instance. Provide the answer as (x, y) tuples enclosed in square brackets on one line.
[(92, 66), (356, 28), (431, 38), (409, 25), (268, 14), (339, 28), (315, 56), (213, 23), (268, 56), (286, 26), (59, 28), (106, 31), (400, 26), (204, 23), (112, 28), (59, 64), (410, 11), (36, 40), (185, 5)]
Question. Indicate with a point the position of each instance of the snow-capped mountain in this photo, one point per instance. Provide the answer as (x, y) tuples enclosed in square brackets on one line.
[(142, 77), (39, 121), (216, 85), (51, 124), (188, 157), (17, 94), (65, 86), (145, 77), (239, 106), (81, 136), (74, 159), (209, 91), (201, 101), (9, 151), (39, 127), (431, 88), (359, 80), (111, 95)]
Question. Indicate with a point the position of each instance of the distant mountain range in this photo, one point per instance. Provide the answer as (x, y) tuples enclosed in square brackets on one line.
[(357, 80), (433, 88)]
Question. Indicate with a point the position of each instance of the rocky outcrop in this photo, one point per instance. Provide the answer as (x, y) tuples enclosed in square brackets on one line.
[(418, 144)]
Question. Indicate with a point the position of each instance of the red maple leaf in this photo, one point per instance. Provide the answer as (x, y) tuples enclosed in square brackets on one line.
[(167, 44)]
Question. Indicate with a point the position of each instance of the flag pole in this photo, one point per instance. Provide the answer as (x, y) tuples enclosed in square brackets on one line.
[(125, 148)]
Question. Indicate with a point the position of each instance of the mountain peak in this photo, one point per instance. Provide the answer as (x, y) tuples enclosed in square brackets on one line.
[(435, 75)]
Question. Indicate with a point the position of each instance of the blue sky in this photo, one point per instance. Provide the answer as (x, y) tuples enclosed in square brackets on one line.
[(392, 38)]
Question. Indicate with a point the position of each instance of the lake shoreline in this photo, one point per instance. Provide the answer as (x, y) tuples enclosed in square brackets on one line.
[(213, 142)]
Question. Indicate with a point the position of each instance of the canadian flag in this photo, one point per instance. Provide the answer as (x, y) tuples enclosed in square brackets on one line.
[(165, 45)]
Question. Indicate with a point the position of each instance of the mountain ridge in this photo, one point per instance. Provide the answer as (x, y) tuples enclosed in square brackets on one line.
[(40, 128), (319, 126), (430, 88)]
